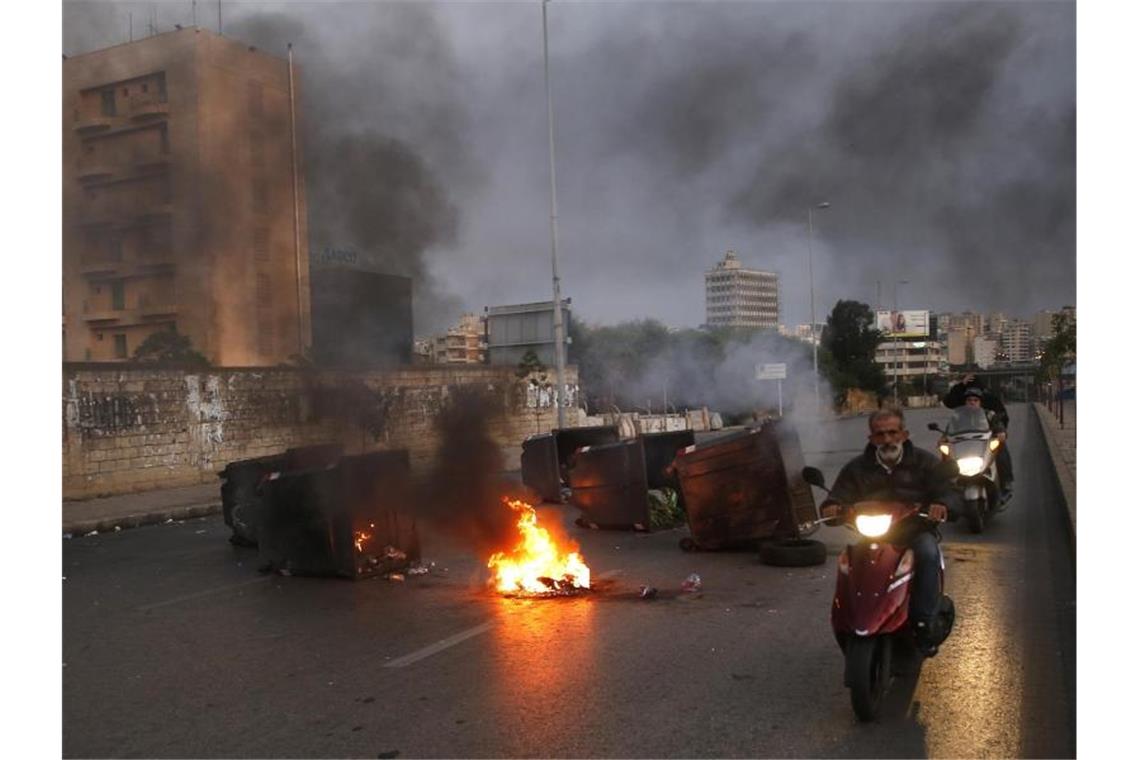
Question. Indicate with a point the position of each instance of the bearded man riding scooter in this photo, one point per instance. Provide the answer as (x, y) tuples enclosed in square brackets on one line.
[(892, 469)]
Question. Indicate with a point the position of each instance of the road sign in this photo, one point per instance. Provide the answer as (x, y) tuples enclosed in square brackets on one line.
[(771, 371)]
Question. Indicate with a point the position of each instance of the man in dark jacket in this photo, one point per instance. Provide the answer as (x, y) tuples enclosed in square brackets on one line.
[(970, 390), (892, 469)]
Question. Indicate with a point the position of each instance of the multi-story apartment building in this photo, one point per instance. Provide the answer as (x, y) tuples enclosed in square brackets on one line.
[(909, 359), (1016, 341), (986, 348), (959, 347), (739, 297), (463, 344), (995, 323), (183, 202)]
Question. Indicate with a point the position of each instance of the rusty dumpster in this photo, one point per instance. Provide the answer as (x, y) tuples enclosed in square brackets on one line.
[(744, 488)]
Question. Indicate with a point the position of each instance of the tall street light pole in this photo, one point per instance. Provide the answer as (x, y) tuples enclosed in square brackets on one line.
[(811, 296), (896, 339), (559, 329)]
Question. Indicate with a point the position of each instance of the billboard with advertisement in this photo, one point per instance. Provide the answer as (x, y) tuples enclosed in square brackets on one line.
[(903, 324)]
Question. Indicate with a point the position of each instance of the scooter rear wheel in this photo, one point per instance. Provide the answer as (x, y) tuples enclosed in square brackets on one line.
[(868, 674)]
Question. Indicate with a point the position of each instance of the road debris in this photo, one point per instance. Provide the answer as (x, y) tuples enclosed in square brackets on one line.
[(691, 584), (647, 592)]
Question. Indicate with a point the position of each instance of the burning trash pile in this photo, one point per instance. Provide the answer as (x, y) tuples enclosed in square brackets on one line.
[(537, 566)]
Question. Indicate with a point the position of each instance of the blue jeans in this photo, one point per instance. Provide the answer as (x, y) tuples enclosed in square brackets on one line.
[(925, 595)]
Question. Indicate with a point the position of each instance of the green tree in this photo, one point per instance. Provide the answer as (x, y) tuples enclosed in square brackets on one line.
[(1061, 349), (530, 364), (847, 350), (169, 347)]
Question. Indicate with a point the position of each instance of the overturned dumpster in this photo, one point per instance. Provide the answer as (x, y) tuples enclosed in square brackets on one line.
[(745, 490), (629, 484), (242, 481), (546, 457), (346, 519)]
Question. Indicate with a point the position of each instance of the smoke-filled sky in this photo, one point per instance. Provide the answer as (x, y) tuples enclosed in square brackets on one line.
[(942, 135)]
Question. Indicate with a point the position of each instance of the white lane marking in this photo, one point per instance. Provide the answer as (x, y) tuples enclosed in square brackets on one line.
[(198, 595), (439, 646)]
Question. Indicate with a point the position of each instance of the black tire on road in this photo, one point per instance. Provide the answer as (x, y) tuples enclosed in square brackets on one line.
[(974, 517), (868, 674), (793, 552)]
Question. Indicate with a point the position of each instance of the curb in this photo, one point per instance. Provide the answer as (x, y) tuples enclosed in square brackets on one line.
[(1065, 481), (78, 528)]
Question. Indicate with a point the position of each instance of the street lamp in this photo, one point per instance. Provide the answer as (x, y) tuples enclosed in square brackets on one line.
[(559, 332), (896, 339), (811, 292)]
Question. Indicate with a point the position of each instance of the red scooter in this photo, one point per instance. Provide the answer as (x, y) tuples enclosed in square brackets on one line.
[(870, 611)]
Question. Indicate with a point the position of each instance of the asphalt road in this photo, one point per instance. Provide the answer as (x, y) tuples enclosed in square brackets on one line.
[(174, 645)]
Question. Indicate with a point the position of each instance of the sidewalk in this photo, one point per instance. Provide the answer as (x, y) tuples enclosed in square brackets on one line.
[(1062, 445), (145, 508)]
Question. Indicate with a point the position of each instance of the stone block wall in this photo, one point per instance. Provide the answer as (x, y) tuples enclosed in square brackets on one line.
[(134, 429)]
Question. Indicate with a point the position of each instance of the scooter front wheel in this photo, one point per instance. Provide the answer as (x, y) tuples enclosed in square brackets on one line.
[(868, 674), (975, 515)]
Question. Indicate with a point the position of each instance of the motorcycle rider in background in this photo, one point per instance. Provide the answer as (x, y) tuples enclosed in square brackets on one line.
[(892, 469), (969, 390)]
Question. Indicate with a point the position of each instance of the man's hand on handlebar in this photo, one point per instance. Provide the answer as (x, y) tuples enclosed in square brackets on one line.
[(830, 511), (938, 512)]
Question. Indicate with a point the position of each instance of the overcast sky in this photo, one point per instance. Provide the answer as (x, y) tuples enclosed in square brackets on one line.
[(942, 134)]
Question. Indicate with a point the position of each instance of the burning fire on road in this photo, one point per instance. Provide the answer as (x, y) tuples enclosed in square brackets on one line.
[(537, 565)]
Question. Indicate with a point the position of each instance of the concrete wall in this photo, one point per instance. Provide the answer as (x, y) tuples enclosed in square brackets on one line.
[(133, 429)]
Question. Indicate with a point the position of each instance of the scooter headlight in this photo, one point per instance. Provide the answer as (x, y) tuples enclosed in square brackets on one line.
[(970, 466), (944, 448), (872, 526), (994, 443)]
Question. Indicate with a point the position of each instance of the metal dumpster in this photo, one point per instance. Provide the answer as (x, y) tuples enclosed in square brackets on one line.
[(745, 487), (344, 520), (608, 483), (660, 451), (546, 456), (241, 495)]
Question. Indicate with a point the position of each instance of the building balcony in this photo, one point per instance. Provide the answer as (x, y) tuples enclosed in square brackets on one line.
[(99, 267), (151, 307), (93, 125), (94, 171), (155, 212), (147, 108), (101, 312)]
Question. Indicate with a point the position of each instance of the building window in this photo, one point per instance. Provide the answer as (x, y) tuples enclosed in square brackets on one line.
[(144, 87), (118, 299), (108, 102), (162, 88), (120, 346)]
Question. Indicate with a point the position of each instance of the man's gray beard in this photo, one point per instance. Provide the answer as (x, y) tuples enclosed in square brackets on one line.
[(890, 453)]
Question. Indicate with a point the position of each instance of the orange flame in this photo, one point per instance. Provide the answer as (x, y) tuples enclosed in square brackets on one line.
[(536, 565)]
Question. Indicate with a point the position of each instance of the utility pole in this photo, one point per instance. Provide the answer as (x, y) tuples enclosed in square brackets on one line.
[(811, 296), (559, 329)]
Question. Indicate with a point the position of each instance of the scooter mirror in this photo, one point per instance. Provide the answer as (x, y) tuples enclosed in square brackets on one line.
[(813, 476)]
